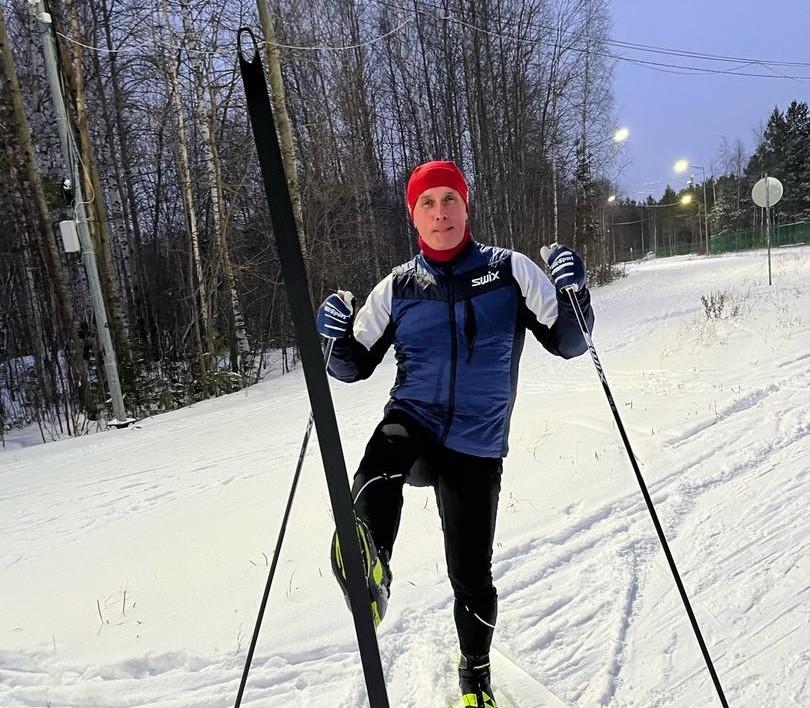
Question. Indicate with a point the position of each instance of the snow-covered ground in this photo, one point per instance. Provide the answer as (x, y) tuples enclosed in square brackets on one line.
[(19, 435), (132, 562)]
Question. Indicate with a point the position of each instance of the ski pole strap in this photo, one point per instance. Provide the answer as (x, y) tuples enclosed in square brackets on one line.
[(660, 531), (320, 398)]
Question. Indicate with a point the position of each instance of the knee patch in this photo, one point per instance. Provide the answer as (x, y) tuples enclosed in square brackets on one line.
[(394, 430), (420, 473)]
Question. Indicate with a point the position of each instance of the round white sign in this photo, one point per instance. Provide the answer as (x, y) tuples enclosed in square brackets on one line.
[(767, 192)]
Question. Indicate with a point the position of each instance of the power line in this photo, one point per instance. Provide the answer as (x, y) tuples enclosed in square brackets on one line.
[(659, 66), (102, 50), (704, 70), (317, 47), (701, 55), (655, 49), (381, 37), (664, 67)]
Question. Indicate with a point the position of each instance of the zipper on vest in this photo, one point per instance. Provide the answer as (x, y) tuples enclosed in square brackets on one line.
[(451, 402)]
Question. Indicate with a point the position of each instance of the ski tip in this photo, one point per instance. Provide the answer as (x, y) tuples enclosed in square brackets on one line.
[(240, 49)]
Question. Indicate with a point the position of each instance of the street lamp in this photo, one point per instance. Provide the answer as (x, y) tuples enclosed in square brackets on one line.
[(681, 166), (686, 200), (611, 201), (621, 135)]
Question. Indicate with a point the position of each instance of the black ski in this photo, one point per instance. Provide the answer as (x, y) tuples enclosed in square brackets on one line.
[(323, 412)]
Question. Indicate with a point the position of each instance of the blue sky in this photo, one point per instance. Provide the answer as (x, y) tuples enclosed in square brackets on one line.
[(672, 115)]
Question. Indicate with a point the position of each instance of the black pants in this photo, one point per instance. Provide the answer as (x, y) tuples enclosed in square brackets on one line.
[(467, 490)]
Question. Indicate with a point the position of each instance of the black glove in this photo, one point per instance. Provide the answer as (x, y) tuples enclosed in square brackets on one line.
[(567, 268), (335, 315)]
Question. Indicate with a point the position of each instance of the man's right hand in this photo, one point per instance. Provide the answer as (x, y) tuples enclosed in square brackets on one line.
[(335, 315), (567, 268)]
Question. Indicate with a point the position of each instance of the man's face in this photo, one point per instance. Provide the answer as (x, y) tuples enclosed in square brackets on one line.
[(440, 217)]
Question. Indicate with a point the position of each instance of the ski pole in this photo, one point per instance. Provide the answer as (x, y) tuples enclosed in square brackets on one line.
[(305, 442), (583, 326)]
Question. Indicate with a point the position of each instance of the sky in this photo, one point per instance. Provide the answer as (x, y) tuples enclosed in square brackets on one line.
[(672, 116)]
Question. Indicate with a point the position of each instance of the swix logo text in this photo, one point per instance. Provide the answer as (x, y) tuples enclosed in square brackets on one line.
[(484, 279)]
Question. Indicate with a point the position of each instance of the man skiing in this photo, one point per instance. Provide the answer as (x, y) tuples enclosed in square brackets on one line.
[(457, 315)]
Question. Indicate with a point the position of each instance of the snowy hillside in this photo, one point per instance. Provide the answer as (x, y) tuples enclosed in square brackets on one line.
[(132, 562)]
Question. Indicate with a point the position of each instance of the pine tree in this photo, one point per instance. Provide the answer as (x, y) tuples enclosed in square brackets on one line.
[(796, 161), (784, 153), (724, 214), (586, 226), (769, 152)]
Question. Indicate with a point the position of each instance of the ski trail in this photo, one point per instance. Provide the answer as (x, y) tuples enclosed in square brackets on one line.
[(625, 616), (511, 679), (733, 470)]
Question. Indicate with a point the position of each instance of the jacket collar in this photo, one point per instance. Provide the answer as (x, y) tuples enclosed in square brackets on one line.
[(464, 254)]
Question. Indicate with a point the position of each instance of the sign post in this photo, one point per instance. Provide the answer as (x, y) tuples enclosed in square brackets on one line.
[(766, 193)]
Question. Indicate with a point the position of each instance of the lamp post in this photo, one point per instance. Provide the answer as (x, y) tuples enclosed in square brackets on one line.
[(611, 202), (681, 166), (620, 135), (686, 200)]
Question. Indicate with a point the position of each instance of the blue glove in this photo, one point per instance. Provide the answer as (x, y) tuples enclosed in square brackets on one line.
[(335, 315), (567, 268)]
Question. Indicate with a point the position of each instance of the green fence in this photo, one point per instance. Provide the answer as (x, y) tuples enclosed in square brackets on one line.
[(678, 249), (782, 235), (726, 241)]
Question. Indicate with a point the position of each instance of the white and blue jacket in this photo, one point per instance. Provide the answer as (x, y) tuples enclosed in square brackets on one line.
[(458, 331)]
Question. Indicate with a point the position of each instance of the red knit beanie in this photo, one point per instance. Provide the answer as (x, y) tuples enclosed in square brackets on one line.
[(439, 173)]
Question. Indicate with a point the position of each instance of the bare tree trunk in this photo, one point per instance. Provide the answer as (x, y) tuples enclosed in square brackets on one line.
[(279, 98), (140, 287), (202, 317), (96, 208), (428, 84), (38, 207), (117, 210), (205, 123)]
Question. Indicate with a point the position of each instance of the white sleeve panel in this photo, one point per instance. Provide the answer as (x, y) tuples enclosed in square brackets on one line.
[(372, 319), (537, 289)]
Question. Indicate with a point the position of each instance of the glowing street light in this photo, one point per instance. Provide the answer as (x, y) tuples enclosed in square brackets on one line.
[(608, 222), (686, 199), (681, 166), (621, 135)]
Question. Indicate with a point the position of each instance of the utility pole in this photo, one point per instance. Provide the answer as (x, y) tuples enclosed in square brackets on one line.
[(72, 167), (643, 252), (705, 210), (681, 166)]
